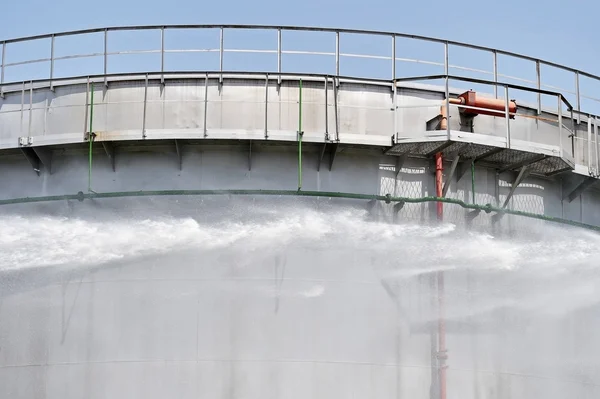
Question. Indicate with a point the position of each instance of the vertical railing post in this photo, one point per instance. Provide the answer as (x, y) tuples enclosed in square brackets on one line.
[(266, 106), (22, 108), (447, 88), (145, 107), (395, 113), (326, 109), (507, 115), (573, 134), (279, 56), (105, 57), (597, 145), (87, 101), (394, 89), (205, 105), (589, 145), (162, 55), (2, 69), (51, 62), (446, 62), (495, 54), (538, 75), (578, 94), (336, 110), (447, 105), (221, 56), (394, 58), (337, 57), (30, 107), (559, 111)]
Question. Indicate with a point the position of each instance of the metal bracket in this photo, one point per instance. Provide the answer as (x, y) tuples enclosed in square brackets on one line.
[(38, 157), (179, 150), (580, 188), (433, 123), (110, 153), (450, 175), (33, 159)]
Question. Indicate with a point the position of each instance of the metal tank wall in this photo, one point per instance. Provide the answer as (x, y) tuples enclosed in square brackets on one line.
[(236, 109), (291, 321)]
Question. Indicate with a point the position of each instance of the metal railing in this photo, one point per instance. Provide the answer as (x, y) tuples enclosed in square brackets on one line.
[(46, 58), (328, 59)]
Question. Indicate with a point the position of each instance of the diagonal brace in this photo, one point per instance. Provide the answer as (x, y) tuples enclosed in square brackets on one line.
[(109, 148), (400, 163), (523, 173), (332, 153), (580, 188), (450, 175)]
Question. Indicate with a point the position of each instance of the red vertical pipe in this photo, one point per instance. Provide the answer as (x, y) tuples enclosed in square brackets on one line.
[(439, 169)]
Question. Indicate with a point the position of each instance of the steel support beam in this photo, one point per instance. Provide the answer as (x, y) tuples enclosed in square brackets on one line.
[(451, 174), (250, 155), (109, 148), (522, 175), (580, 188), (179, 150), (321, 155), (333, 148)]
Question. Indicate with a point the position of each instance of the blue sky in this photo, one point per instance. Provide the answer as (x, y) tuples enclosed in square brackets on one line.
[(562, 32)]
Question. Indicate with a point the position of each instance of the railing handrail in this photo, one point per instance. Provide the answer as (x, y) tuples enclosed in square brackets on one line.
[(302, 28)]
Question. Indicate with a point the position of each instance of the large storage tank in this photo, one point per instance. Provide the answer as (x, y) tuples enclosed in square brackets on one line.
[(285, 234)]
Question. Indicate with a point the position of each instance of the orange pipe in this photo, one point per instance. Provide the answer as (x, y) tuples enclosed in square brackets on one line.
[(444, 121), (496, 107), (492, 107)]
